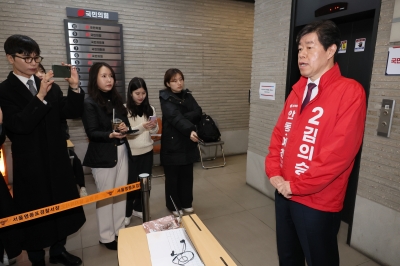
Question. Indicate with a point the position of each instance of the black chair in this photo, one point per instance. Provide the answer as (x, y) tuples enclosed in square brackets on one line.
[(219, 143)]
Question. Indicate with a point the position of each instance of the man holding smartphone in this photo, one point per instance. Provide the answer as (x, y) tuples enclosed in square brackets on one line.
[(32, 113)]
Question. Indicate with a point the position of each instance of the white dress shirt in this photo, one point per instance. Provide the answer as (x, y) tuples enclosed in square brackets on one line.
[(314, 92)]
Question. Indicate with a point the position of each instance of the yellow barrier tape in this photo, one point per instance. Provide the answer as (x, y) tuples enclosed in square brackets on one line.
[(31, 215)]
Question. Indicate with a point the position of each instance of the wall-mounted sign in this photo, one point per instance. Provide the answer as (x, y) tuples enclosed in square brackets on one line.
[(359, 45), (267, 90), (393, 63), (343, 47), (90, 13), (91, 42)]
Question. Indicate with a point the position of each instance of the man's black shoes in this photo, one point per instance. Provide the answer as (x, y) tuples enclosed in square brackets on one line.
[(66, 259)]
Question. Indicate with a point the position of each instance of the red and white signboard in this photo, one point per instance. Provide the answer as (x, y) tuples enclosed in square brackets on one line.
[(393, 63)]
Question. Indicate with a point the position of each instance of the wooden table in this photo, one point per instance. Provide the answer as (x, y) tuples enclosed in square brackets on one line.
[(70, 145), (133, 248)]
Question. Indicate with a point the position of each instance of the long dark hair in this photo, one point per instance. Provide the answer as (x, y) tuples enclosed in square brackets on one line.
[(95, 93), (134, 109)]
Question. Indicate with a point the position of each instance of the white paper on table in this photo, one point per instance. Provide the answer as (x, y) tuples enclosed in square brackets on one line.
[(163, 244)]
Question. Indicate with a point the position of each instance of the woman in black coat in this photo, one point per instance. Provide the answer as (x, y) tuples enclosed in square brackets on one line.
[(180, 114), (108, 150)]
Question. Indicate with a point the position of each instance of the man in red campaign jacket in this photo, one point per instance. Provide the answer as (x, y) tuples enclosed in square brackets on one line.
[(312, 150)]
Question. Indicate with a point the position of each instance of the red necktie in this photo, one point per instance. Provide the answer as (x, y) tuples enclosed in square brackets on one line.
[(311, 86)]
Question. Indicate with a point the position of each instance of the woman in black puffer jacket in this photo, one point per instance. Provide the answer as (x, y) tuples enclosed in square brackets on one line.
[(180, 114)]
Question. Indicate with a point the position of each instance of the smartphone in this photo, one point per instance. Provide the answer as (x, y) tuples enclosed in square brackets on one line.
[(153, 118), (199, 139), (133, 131), (61, 71)]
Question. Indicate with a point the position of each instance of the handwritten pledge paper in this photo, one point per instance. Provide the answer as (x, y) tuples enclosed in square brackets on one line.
[(171, 248)]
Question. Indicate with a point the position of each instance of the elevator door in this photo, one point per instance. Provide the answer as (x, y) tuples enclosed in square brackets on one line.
[(358, 66)]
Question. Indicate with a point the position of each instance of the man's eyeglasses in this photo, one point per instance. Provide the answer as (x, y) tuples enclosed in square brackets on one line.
[(37, 59)]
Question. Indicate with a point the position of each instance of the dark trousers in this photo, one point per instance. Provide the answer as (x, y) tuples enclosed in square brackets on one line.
[(1, 252), (138, 164), (304, 233), (179, 185), (11, 237), (55, 250), (78, 169)]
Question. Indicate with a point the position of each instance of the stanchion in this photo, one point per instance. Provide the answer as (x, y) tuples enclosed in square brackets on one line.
[(145, 187)]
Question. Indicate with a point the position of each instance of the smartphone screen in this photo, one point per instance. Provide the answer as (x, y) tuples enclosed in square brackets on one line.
[(152, 118), (61, 71)]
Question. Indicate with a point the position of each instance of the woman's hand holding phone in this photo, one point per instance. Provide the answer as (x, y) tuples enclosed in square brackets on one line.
[(122, 128), (120, 132), (149, 125), (195, 138), (152, 123)]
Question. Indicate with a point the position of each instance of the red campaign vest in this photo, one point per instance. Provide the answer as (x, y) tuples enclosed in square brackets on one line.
[(315, 150)]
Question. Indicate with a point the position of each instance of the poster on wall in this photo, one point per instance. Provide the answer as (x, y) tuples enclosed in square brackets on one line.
[(393, 62), (343, 47), (267, 90), (359, 45)]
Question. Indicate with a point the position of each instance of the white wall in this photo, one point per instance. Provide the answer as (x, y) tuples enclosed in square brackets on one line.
[(376, 231)]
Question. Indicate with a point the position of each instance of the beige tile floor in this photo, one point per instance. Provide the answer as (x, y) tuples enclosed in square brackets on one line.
[(240, 217)]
